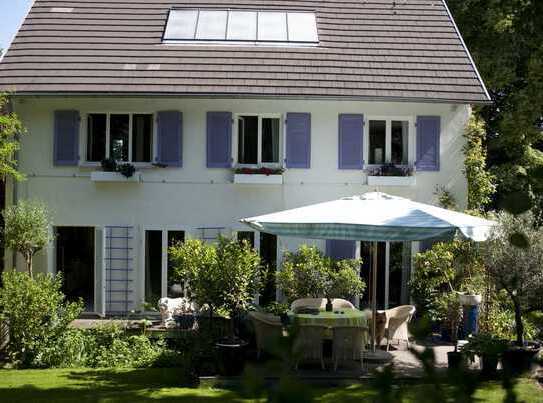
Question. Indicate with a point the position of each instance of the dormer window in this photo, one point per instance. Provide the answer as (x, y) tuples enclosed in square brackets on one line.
[(234, 26)]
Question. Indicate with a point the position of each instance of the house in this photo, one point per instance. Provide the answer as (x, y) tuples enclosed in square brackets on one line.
[(227, 110)]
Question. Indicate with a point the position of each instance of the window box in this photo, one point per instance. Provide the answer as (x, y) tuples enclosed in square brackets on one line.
[(391, 180), (258, 179), (102, 176)]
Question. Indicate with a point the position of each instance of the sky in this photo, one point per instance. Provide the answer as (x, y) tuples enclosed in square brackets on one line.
[(13, 13)]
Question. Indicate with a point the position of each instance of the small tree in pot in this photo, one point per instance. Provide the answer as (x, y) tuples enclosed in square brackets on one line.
[(514, 259), (224, 277), (307, 273)]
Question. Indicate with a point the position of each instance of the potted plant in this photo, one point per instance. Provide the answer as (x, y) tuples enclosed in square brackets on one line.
[(514, 256), (239, 266), (488, 348), (307, 273), (184, 316), (453, 318), (221, 277)]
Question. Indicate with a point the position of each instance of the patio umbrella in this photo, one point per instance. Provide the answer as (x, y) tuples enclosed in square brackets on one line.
[(376, 217)]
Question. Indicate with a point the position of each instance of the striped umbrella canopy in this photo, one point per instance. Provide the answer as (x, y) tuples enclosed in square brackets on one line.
[(372, 216)]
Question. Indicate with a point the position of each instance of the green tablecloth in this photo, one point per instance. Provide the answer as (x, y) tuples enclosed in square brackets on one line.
[(349, 317)]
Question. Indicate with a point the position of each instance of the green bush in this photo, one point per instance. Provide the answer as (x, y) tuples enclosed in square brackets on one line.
[(308, 273), (38, 317)]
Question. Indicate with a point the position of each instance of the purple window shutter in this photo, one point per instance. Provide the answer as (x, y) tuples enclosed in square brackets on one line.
[(350, 141), (66, 142), (298, 140), (340, 249), (428, 138), (219, 139), (170, 138)]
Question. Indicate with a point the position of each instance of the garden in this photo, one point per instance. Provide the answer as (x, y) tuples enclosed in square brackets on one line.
[(214, 357)]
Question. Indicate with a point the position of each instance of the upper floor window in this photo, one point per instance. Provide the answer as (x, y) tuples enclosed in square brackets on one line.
[(258, 139), (121, 136), (388, 142)]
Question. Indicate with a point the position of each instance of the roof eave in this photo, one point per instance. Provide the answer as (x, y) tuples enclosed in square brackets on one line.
[(245, 96)]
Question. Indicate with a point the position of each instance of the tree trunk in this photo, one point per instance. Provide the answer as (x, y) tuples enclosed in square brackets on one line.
[(518, 321), (28, 260)]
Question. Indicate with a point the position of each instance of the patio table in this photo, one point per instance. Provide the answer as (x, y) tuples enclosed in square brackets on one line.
[(337, 318)]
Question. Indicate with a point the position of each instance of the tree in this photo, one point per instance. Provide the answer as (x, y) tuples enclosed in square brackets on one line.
[(224, 276), (10, 128), (514, 77), (307, 273), (26, 229), (516, 265)]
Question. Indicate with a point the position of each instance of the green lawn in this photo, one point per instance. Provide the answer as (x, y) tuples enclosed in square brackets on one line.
[(134, 385)]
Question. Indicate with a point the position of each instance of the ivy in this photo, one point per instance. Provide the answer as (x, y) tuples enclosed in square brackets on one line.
[(481, 185)]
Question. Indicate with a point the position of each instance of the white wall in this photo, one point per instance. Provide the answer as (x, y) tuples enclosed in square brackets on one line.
[(194, 196)]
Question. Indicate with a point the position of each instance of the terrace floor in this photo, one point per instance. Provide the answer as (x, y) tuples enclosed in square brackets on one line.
[(405, 364)]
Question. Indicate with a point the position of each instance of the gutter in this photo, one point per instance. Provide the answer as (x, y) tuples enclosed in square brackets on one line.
[(98, 94)]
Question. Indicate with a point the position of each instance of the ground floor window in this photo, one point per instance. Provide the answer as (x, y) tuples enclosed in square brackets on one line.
[(158, 265), (75, 260)]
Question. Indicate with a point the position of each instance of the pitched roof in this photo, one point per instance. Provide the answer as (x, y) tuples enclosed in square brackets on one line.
[(368, 49)]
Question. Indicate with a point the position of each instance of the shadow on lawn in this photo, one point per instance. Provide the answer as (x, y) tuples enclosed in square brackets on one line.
[(117, 386)]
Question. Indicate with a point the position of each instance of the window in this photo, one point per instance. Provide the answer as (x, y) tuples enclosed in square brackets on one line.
[(388, 142), (248, 236), (124, 137), (377, 141), (96, 137), (258, 139), (296, 27), (399, 141)]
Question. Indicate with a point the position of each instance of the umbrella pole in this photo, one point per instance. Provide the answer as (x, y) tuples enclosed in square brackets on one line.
[(374, 297)]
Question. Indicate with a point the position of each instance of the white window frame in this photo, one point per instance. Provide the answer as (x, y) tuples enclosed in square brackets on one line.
[(235, 140), (85, 138), (388, 139), (164, 257)]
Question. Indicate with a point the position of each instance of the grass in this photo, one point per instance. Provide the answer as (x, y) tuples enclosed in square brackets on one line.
[(141, 385)]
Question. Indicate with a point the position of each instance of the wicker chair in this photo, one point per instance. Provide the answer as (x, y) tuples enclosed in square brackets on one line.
[(308, 344), (268, 329), (348, 344), (397, 320), (320, 303)]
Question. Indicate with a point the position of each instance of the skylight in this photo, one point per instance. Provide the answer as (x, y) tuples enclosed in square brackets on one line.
[(297, 27)]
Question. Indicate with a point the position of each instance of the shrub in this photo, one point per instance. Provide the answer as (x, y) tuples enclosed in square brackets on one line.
[(37, 314), (26, 229), (446, 268), (308, 273)]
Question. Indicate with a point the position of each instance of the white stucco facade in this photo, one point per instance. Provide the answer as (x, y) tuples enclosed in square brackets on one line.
[(194, 197)]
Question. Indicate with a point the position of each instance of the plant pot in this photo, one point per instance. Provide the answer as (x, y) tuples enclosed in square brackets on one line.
[(185, 321), (329, 305), (231, 356), (489, 364), (517, 360), (455, 359), (470, 299)]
